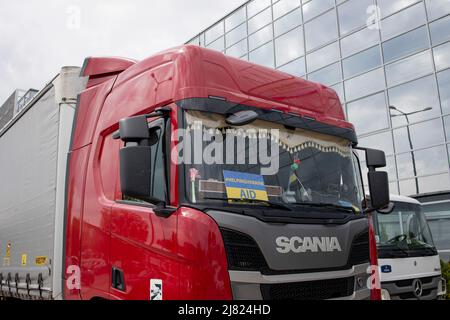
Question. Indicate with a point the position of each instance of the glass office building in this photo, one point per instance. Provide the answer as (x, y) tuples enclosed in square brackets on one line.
[(389, 61)]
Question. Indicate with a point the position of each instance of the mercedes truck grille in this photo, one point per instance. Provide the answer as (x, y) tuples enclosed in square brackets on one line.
[(311, 290), (243, 253)]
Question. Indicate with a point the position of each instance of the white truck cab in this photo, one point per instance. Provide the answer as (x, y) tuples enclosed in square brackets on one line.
[(408, 260)]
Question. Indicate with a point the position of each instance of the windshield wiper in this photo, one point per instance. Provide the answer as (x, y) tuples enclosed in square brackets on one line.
[(325, 205), (269, 203)]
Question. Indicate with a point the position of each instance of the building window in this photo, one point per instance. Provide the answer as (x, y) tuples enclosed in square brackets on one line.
[(296, 68), (262, 36), (444, 90), (284, 6), (358, 41), (289, 46), (442, 56), (259, 21), (321, 30), (403, 21), (421, 135), (363, 112), (437, 8), (440, 30), (365, 84), (328, 75), (406, 44), (416, 96), (361, 62), (288, 22), (389, 7), (313, 8), (263, 55), (409, 69), (322, 57), (235, 19), (353, 14)]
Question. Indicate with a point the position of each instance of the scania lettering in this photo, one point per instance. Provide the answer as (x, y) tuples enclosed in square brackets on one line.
[(172, 178), (312, 244)]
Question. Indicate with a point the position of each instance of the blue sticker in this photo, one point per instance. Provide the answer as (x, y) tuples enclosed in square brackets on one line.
[(386, 268)]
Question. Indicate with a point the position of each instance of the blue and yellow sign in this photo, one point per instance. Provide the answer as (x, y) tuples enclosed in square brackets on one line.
[(245, 186)]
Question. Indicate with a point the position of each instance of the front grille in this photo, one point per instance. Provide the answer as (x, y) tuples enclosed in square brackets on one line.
[(410, 295), (242, 252), (360, 251), (409, 282), (311, 290)]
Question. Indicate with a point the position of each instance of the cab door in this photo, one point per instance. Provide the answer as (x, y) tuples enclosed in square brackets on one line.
[(143, 248)]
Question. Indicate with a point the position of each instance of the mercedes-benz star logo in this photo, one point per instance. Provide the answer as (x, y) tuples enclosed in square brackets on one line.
[(417, 286)]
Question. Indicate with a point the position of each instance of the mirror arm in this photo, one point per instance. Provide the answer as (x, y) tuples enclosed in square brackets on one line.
[(160, 112), (163, 211)]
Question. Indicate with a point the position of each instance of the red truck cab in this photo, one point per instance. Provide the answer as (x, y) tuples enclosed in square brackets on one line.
[(176, 246)]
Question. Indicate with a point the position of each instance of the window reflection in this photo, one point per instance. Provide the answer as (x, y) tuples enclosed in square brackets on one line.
[(408, 43), (289, 46), (322, 57), (262, 36), (321, 30), (382, 141), (263, 55), (288, 22), (444, 90), (388, 7), (437, 8), (315, 7), (442, 56), (296, 68), (284, 6), (214, 32), (414, 97), (422, 135), (409, 68), (439, 30), (328, 75), (363, 112), (256, 6), (402, 21), (363, 61), (359, 41), (353, 14), (365, 84), (260, 20), (235, 19), (238, 49), (427, 162)]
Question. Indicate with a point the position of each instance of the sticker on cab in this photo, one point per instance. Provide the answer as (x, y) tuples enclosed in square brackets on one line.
[(245, 186), (156, 289), (40, 261)]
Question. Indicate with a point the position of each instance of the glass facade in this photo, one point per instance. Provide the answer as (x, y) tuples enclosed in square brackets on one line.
[(389, 61)]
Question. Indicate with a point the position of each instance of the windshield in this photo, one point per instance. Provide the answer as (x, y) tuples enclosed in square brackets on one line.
[(405, 229), (267, 163)]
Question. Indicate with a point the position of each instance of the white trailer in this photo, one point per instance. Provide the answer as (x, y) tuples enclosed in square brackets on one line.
[(33, 158)]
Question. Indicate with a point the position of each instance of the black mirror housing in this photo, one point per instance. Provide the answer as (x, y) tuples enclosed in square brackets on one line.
[(379, 189), (375, 158), (135, 167), (134, 129)]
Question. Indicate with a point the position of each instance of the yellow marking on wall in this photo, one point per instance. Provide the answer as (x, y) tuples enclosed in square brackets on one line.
[(41, 261), (24, 259)]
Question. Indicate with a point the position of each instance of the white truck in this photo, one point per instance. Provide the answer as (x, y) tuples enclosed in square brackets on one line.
[(409, 262)]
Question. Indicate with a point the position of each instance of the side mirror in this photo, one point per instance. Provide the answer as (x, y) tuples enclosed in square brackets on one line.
[(375, 158), (378, 181), (135, 158), (135, 172)]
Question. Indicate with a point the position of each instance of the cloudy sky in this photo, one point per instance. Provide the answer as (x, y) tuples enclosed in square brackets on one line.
[(38, 37)]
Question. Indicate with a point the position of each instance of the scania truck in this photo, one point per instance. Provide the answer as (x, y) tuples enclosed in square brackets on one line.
[(409, 262), (187, 175)]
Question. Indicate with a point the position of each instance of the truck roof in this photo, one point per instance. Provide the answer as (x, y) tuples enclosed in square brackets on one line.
[(195, 72), (397, 198)]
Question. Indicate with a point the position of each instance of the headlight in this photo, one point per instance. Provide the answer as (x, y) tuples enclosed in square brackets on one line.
[(385, 295)]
